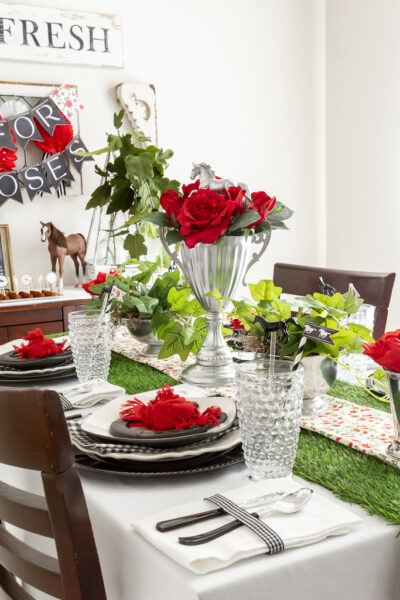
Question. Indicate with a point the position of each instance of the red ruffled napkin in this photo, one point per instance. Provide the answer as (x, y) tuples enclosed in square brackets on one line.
[(167, 411), (39, 346)]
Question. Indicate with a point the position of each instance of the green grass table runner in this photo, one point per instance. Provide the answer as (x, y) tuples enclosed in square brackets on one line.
[(349, 474)]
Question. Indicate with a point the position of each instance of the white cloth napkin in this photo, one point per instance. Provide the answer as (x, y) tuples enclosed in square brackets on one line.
[(318, 519), (83, 395)]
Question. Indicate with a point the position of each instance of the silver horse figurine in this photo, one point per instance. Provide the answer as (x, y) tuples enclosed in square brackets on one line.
[(208, 179)]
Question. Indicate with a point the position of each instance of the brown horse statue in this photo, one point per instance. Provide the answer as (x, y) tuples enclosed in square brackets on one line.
[(60, 246)]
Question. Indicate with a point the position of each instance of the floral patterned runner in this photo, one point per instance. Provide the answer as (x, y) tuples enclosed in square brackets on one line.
[(360, 427)]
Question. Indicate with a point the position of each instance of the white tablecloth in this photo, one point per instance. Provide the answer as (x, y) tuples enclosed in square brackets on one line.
[(363, 565)]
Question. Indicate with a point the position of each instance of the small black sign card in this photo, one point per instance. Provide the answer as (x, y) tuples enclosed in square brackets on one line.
[(319, 333)]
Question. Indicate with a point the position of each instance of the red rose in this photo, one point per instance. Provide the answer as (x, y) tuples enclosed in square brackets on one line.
[(205, 217), (191, 187), (263, 204), (386, 351), (101, 278), (172, 204), (236, 194)]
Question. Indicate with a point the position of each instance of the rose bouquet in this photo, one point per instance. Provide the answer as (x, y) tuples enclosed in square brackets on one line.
[(205, 212)]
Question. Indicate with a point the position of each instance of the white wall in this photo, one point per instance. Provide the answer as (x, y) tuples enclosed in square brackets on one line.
[(363, 137), (239, 85)]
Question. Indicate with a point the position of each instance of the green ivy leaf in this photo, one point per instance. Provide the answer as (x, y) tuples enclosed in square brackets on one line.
[(199, 334), (178, 299), (118, 117), (140, 167), (135, 245), (140, 137), (114, 142), (335, 301), (352, 304), (100, 196), (176, 341), (160, 317), (264, 290), (122, 199), (362, 331)]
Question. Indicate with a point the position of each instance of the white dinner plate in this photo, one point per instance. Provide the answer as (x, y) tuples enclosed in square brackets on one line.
[(225, 442)]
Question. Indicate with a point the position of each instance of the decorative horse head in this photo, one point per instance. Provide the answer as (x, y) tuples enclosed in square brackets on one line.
[(204, 172), (45, 231), (208, 180)]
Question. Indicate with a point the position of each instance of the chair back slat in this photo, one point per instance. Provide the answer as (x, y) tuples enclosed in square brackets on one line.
[(38, 569), (25, 510), (34, 435), (11, 587), (374, 288), (26, 439)]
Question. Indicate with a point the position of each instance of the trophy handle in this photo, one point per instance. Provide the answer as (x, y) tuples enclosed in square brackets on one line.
[(173, 255), (264, 240)]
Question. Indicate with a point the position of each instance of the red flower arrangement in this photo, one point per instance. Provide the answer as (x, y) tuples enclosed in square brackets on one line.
[(236, 323), (38, 346), (204, 215), (100, 278), (167, 411), (386, 351)]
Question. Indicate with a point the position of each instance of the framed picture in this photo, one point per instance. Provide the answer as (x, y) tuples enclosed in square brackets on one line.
[(30, 94), (6, 263)]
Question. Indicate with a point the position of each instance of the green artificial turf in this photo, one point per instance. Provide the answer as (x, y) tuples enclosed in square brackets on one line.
[(135, 377)]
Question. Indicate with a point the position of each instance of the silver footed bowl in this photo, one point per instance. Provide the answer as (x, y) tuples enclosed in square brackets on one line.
[(319, 375), (141, 331)]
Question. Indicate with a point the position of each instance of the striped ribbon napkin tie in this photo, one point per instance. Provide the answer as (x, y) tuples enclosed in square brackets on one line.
[(269, 536)]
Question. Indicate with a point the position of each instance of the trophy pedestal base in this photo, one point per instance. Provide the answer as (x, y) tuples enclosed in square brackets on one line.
[(314, 405), (151, 349), (209, 376)]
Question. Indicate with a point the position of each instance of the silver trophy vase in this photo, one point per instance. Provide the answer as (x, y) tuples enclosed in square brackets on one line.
[(393, 380), (207, 267)]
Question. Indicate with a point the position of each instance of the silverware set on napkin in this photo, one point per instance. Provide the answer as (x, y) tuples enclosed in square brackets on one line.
[(278, 501)]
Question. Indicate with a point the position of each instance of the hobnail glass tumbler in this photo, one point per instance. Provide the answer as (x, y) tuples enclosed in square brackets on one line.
[(269, 409), (90, 334)]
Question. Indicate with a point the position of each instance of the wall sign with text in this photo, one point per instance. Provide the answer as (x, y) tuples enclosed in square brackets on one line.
[(65, 36)]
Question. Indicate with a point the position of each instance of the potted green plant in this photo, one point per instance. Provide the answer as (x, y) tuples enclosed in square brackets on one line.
[(158, 308), (319, 359), (133, 181)]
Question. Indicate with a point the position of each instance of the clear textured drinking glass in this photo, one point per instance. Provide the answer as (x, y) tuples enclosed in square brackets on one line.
[(90, 335), (269, 409)]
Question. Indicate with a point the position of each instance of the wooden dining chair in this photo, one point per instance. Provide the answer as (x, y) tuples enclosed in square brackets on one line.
[(375, 288), (34, 435)]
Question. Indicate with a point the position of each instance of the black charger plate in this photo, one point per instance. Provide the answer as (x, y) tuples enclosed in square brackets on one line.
[(184, 467), (163, 439), (11, 359)]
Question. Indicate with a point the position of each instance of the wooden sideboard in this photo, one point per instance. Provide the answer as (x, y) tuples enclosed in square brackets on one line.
[(50, 315)]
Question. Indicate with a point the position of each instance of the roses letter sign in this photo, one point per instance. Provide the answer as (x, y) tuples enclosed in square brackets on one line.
[(56, 35)]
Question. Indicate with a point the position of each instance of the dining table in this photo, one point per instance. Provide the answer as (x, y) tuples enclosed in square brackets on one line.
[(361, 565)]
